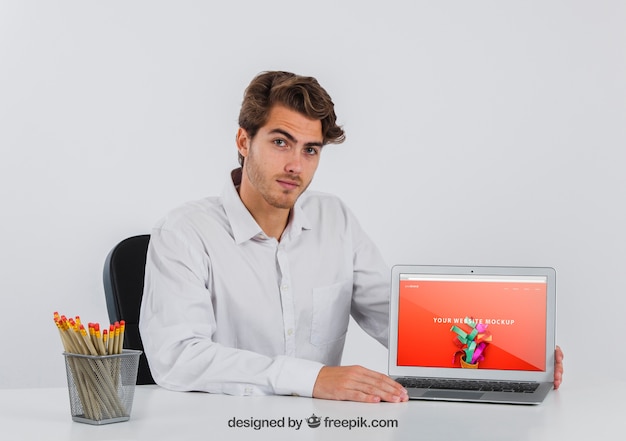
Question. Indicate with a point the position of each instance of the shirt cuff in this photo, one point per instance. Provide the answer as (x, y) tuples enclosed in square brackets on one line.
[(297, 377)]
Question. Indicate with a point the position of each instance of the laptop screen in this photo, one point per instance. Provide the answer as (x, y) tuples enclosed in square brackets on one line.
[(493, 322)]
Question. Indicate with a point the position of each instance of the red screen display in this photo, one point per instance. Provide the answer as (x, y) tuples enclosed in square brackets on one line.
[(512, 312)]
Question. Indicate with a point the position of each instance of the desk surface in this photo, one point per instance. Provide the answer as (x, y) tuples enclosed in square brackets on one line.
[(574, 412)]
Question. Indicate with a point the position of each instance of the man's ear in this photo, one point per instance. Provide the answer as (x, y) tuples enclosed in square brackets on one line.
[(243, 142)]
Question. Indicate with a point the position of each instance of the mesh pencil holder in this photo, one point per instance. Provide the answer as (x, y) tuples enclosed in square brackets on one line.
[(101, 387)]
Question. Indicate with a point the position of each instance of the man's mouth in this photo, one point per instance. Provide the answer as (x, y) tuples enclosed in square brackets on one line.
[(288, 183)]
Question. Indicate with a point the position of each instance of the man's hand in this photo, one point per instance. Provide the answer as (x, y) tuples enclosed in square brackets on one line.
[(558, 367), (356, 383)]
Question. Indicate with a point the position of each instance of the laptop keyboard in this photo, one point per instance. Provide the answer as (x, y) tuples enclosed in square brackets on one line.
[(459, 384)]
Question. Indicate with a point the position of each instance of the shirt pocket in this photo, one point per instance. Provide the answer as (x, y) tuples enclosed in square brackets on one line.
[(331, 313)]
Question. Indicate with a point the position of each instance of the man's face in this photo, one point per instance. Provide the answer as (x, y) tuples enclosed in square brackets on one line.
[(280, 160)]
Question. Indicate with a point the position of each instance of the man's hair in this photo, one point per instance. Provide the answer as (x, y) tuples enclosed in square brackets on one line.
[(296, 92)]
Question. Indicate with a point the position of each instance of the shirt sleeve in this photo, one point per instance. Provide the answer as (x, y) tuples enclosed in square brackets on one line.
[(371, 286), (177, 326)]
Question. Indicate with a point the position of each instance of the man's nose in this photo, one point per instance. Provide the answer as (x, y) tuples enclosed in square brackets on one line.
[(294, 163)]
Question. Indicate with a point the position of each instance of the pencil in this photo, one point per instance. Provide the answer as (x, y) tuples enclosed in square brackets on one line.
[(105, 340), (111, 350), (117, 338), (122, 329), (99, 343)]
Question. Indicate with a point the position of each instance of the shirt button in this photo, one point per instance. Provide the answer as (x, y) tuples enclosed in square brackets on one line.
[(284, 287), (289, 331)]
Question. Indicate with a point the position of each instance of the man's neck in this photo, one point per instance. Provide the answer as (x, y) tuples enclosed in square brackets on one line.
[(272, 220), (273, 223)]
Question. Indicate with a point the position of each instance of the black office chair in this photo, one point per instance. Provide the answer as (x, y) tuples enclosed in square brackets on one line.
[(123, 276)]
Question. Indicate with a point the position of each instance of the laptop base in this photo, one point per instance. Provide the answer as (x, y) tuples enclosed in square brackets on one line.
[(535, 397)]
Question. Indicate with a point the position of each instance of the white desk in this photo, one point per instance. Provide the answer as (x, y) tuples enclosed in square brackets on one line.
[(574, 412)]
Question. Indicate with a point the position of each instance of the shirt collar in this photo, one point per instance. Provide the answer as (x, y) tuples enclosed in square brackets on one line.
[(244, 226)]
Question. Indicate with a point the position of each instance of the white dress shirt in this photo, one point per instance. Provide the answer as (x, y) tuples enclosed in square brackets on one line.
[(227, 309)]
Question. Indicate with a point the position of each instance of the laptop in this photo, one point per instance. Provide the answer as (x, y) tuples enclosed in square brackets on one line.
[(473, 333)]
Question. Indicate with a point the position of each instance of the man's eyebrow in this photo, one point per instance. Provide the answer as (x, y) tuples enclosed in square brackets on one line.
[(291, 138)]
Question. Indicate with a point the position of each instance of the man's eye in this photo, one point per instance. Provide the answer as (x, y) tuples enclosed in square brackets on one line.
[(280, 142), (311, 151)]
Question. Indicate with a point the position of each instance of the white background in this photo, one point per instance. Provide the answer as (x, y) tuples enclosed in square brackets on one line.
[(478, 132)]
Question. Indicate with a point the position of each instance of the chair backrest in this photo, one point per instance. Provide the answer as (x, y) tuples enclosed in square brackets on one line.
[(123, 278)]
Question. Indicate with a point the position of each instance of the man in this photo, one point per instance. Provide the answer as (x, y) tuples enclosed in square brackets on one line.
[(251, 292)]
